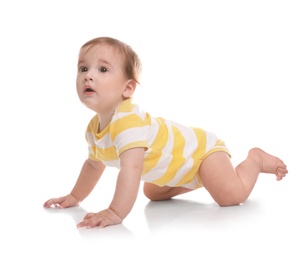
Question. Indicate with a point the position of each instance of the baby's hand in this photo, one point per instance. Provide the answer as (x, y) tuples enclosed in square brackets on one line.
[(62, 202), (101, 219)]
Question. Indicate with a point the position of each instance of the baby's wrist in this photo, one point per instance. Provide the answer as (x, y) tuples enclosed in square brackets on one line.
[(75, 197), (115, 213)]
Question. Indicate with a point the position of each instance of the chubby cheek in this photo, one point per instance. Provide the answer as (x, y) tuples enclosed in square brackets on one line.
[(79, 79), (79, 86)]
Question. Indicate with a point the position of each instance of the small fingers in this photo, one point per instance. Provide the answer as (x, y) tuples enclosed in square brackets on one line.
[(51, 202), (101, 219), (46, 204), (104, 223), (61, 202), (89, 215), (66, 204), (88, 221), (94, 222)]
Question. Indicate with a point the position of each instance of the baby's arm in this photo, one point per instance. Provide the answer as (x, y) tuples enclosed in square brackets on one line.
[(127, 187), (88, 178)]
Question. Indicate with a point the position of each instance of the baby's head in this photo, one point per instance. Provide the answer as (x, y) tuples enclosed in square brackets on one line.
[(132, 63)]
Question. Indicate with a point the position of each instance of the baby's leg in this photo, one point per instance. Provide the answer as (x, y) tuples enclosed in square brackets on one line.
[(231, 186), (155, 192)]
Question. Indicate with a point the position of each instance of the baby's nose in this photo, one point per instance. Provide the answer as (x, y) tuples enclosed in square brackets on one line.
[(89, 77)]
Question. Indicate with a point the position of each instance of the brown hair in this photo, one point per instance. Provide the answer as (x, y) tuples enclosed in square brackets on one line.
[(132, 63)]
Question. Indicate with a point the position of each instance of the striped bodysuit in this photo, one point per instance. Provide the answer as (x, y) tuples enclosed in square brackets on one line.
[(173, 152)]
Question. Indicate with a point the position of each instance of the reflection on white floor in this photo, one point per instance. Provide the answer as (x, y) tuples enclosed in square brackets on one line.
[(270, 225)]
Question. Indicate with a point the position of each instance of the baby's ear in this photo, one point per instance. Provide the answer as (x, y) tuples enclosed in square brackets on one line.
[(129, 89)]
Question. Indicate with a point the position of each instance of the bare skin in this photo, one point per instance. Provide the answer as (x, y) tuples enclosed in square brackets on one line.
[(227, 185)]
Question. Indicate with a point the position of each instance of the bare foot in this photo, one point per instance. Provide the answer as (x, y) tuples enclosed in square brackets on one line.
[(269, 163)]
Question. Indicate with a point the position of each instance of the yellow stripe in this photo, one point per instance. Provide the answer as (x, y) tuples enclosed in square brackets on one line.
[(198, 155), (93, 128), (106, 154), (124, 123), (151, 161), (126, 106), (190, 175), (202, 142), (159, 143), (177, 160), (162, 136), (92, 157), (133, 145), (93, 124), (218, 147)]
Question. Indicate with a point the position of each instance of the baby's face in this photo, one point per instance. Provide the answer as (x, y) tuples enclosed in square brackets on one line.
[(101, 81)]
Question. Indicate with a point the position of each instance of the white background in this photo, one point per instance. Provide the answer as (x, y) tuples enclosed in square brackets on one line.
[(237, 68)]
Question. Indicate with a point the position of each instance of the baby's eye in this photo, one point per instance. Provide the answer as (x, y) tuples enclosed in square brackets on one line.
[(82, 69), (103, 69)]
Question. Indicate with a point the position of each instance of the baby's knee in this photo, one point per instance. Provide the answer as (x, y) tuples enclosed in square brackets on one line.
[(230, 200), (149, 192), (149, 195), (227, 203), (155, 193)]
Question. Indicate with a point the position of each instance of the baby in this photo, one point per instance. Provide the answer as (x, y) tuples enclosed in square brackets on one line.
[(170, 158)]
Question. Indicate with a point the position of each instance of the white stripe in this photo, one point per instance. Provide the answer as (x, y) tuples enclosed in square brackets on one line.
[(190, 138), (168, 148), (193, 184), (181, 172), (211, 141), (161, 167), (159, 170), (90, 138), (136, 110), (131, 135), (153, 131), (139, 112), (104, 142)]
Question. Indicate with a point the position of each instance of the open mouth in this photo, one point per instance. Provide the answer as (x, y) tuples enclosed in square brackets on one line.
[(89, 90)]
